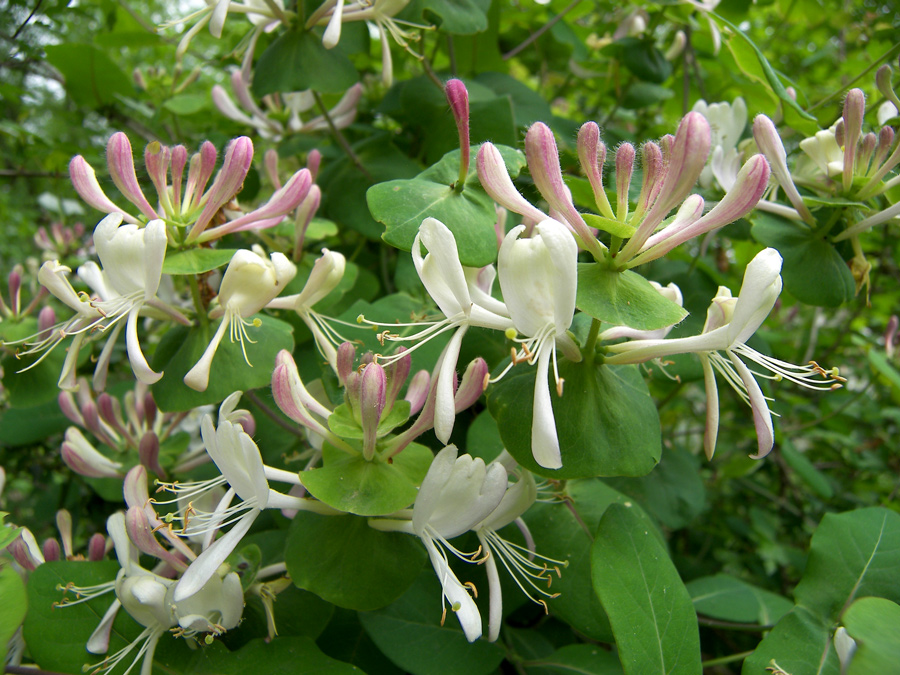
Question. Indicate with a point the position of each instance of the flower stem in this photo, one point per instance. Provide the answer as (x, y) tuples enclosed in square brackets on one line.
[(590, 350)]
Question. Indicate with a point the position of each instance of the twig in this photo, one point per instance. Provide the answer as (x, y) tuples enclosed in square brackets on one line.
[(272, 415), (28, 18), (341, 139)]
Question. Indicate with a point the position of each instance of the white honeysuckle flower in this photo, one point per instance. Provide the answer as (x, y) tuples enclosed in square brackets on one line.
[(250, 282), (131, 258), (524, 565), (886, 111), (538, 277), (730, 323), (670, 292), (457, 494), (726, 123), (238, 459), (464, 303), (326, 274)]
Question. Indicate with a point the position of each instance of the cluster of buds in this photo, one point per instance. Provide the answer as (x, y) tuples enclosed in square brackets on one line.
[(29, 554), (131, 429), (60, 241), (280, 114), (671, 168), (307, 208), (12, 308), (192, 213)]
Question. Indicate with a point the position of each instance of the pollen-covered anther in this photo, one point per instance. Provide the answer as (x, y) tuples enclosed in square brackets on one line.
[(472, 589), (559, 386)]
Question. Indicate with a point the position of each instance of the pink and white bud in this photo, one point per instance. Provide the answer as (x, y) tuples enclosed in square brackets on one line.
[(270, 162), (64, 525), (885, 142), (865, 152), (769, 143), (496, 182), (25, 550), (156, 159), (752, 181), (121, 169), (84, 180), (624, 171), (46, 321), (96, 547), (111, 412), (238, 158), (346, 357), (883, 80), (372, 400), (417, 391), (472, 385), (84, 459), (202, 165), (305, 213), (592, 155), (295, 401), (854, 111), (69, 408), (140, 531), (15, 288), (314, 158), (178, 158), (652, 165)]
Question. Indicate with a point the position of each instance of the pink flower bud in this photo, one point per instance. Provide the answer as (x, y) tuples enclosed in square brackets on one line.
[(592, 155), (69, 408), (25, 550), (866, 148), (64, 525), (46, 321), (96, 547), (458, 98), (202, 166), (238, 158), (15, 288), (121, 170), (135, 487), (111, 412), (84, 180), (472, 385), (150, 409), (496, 182), (179, 161), (292, 397), (854, 111), (769, 143), (417, 391), (839, 129), (652, 164), (85, 460), (883, 81), (314, 161), (140, 532), (890, 336), (91, 417), (624, 171), (270, 162), (148, 453), (346, 357), (305, 213), (397, 372), (156, 159), (372, 399), (50, 550)]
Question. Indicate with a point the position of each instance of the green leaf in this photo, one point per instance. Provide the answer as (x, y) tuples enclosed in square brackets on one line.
[(623, 299), (187, 104), (17, 427), (197, 260), (297, 61), (813, 271), (729, 599), (92, 78), (642, 58), (851, 555), (461, 17), (564, 534), (606, 421), (35, 386), (799, 643), (181, 348), (351, 484), (402, 205), (12, 609), (282, 656), (8, 532), (580, 658), (344, 561), (410, 633), (875, 625), (650, 611), (880, 364)]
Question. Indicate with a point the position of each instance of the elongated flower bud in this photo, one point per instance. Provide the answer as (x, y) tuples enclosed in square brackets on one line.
[(238, 158), (121, 170), (85, 460), (854, 110), (883, 81), (84, 180), (140, 532), (397, 372), (652, 165), (346, 357), (50, 550), (417, 391), (472, 384), (592, 155), (372, 399), (148, 452), (96, 547), (458, 98), (769, 143), (496, 182), (624, 171)]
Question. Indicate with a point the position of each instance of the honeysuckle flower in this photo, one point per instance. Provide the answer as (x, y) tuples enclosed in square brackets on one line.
[(237, 458), (326, 274), (457, 494), (538, 277), (729, 324), (282, 115), (824, 151), (886, 111), (769, 143), (131, 260), (462, 303), (85, 460), (250, 282), (726, 123), (333, 13), (519, 561)]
